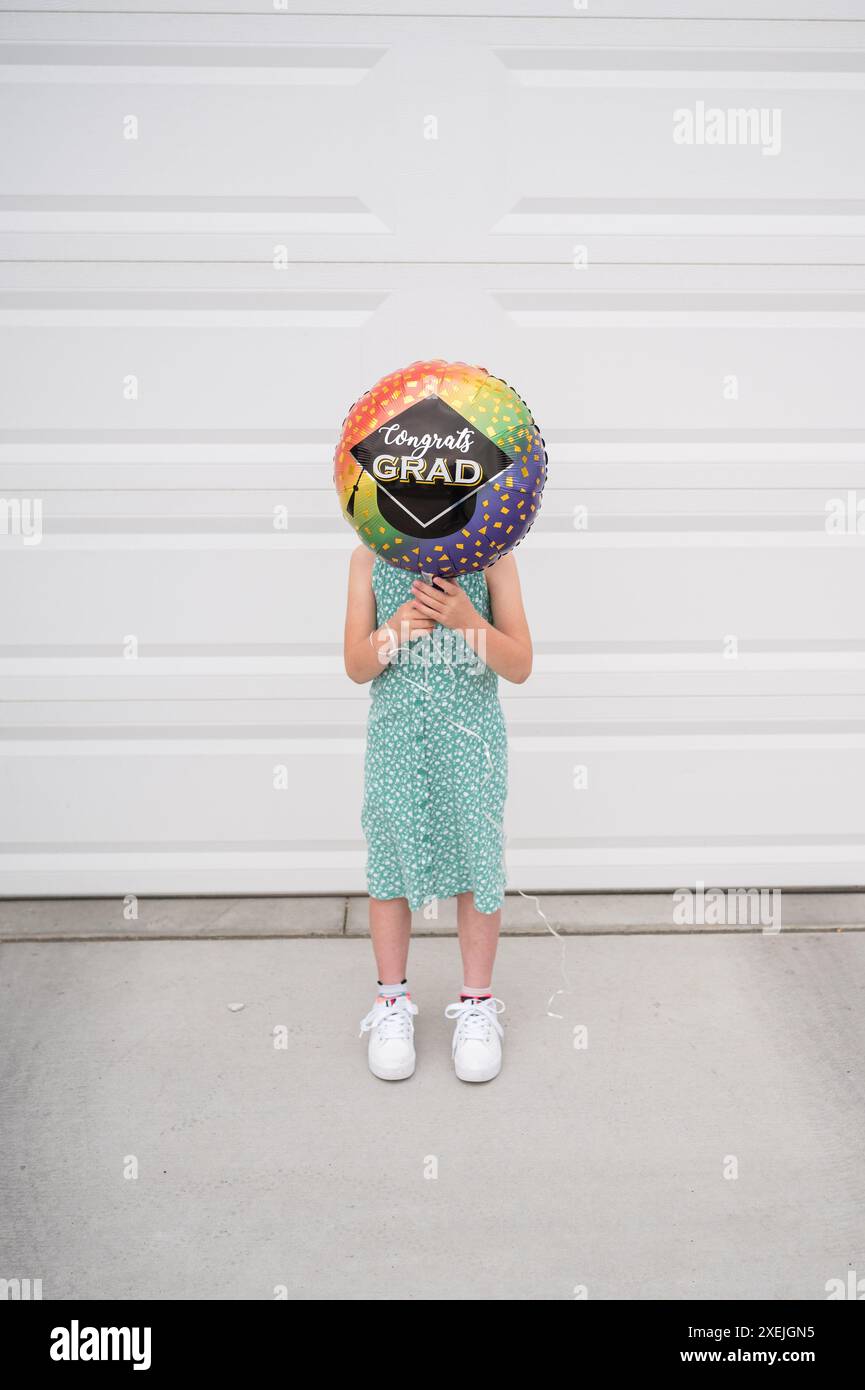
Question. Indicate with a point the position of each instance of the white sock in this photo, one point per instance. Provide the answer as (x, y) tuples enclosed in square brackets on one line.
[(392, 991)]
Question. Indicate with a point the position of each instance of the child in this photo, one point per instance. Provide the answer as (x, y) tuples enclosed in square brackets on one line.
[(435, 784)]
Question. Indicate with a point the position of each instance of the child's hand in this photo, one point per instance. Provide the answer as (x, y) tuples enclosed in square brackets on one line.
[(453, 608), (408, 623)]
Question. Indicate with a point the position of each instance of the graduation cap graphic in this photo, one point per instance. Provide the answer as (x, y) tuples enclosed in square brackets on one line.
[(429, 464)]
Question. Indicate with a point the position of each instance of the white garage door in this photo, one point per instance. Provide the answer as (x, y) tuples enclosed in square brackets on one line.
[(218, 229)]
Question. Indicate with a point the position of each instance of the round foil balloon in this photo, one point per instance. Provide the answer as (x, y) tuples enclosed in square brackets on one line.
[(440, 468)]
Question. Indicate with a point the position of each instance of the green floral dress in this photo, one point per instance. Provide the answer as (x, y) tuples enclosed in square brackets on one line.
[(436, 768)]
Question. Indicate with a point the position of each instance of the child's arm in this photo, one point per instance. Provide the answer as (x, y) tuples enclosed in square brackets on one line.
[(505, 645), (365, 647)]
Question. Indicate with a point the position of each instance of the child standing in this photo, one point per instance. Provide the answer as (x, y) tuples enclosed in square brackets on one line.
[(435, 784)]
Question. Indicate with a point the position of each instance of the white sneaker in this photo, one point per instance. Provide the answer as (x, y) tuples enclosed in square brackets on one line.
[(391, 1040), (477, 1045)]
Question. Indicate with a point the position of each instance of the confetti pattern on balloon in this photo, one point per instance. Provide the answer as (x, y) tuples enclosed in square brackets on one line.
[(440, 468)]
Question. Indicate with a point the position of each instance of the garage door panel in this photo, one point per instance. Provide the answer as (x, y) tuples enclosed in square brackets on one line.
[(228, 797), (219, 816), (623, 787), (249, 713), (687, 602), (208, 797), (651, 378), (555, 78), (697, 597)]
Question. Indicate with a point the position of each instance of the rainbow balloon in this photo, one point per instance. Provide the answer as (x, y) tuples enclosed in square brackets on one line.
[(440, 468)]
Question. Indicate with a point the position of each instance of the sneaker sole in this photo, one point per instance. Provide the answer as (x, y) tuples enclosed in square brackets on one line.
[(473, 1077), (401, 1074)]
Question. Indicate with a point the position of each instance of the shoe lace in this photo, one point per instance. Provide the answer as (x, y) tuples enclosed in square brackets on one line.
[(391, 1020), (475, 1019)]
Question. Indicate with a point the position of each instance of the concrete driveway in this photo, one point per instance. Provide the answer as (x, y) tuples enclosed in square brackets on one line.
[(703, 1138)]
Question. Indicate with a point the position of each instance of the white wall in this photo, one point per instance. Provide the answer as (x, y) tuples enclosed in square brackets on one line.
[(706, 516)]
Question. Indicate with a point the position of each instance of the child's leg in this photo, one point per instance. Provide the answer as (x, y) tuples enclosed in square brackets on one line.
[(390, 929), (389, 1021), (477, 1048), (479, 937)]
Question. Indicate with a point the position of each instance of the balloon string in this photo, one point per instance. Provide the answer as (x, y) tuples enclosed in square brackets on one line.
[(426, 689)]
